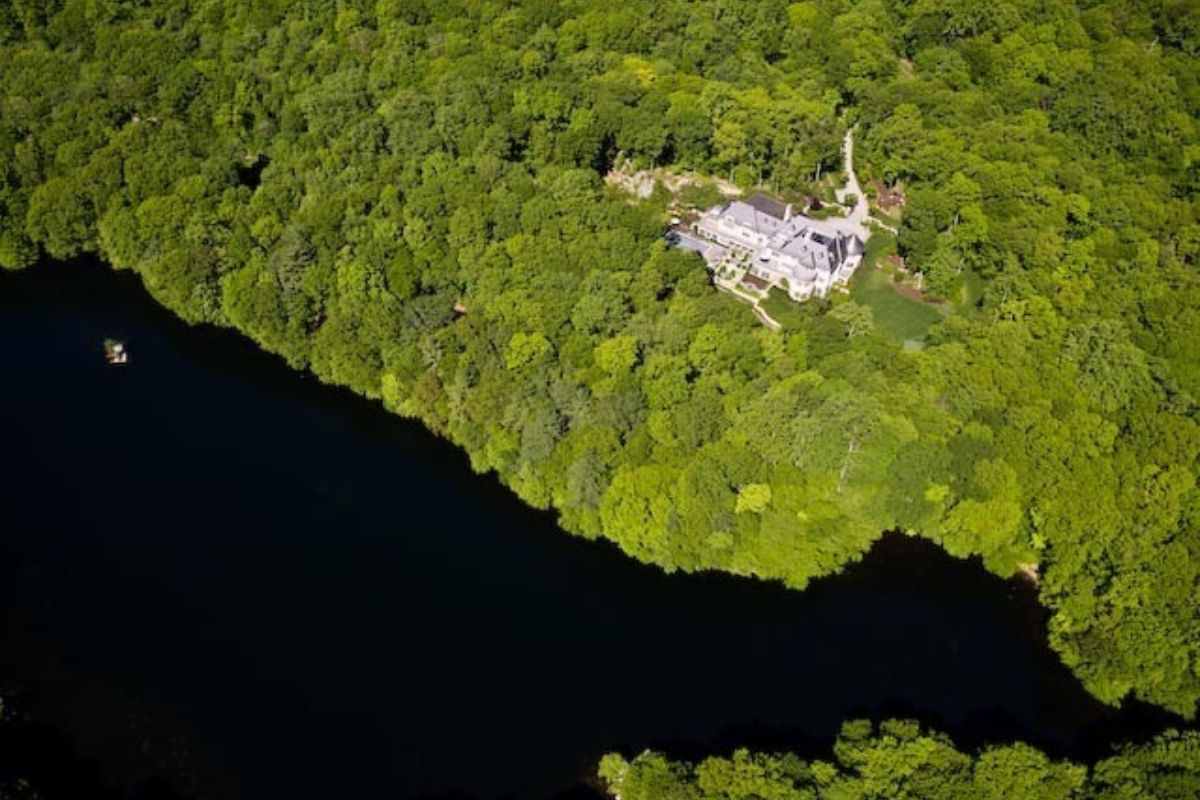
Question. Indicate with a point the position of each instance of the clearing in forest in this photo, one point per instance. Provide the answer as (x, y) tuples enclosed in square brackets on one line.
[(902, 317)]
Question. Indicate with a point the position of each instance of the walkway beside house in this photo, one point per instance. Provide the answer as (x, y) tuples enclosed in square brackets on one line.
[(732, 277)]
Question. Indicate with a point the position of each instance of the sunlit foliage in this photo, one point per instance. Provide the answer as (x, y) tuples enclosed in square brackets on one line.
[(405, 197), (898, 761)]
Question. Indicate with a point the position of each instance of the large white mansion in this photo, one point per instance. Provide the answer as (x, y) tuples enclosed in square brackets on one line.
[(804, 256)]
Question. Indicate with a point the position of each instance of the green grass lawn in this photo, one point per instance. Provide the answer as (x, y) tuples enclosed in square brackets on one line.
[(783, 309), (894, 313), (879, 245)]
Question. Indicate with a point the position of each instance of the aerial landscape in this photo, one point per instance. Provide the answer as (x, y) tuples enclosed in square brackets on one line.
[(676, 400)]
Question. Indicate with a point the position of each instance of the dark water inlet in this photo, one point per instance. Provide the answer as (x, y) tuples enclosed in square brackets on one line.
[(218, 572)]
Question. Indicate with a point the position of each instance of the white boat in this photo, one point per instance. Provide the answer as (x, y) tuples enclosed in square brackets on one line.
[(115, 352)]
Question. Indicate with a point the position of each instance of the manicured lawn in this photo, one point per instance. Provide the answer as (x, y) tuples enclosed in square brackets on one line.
[(783, 309), (879, 245), (894, 313)]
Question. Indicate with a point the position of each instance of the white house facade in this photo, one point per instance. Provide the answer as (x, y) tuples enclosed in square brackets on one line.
[(806, 257)]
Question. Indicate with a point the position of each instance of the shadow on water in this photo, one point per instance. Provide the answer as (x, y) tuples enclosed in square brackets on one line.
[(219, 573)]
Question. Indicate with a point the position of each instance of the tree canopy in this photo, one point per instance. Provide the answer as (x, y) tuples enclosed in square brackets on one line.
[(897, 760), (406, 198)]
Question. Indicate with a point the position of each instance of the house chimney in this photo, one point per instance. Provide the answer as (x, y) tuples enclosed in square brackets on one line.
[(787, 212)]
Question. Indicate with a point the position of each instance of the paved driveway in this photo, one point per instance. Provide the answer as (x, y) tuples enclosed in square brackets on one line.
[(856, 221)]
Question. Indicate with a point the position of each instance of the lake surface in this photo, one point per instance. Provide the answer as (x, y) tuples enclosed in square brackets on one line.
[(216, 571)]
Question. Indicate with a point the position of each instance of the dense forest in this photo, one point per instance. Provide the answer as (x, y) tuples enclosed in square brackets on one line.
[(897, 760), (406, 197)]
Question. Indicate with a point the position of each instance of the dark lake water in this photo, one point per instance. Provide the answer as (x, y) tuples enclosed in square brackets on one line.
[(216, 571)]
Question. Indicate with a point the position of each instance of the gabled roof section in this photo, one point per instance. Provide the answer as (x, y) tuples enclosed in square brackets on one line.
[(767, 205), (750, 217)]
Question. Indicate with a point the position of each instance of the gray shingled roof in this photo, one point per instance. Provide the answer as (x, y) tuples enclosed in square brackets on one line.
[(751, 217), (816, 245), (767, 205)]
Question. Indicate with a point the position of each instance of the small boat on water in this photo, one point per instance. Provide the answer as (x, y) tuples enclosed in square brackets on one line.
[(115, 352)]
